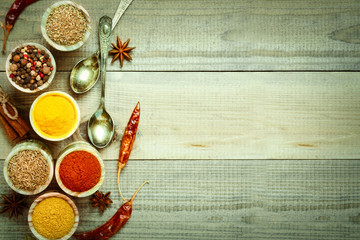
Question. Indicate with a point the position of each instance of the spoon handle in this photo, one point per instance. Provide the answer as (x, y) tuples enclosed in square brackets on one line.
[(104, 39), (123, 5)]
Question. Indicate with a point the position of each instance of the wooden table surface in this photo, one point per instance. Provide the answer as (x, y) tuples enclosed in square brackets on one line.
[(250, 117)]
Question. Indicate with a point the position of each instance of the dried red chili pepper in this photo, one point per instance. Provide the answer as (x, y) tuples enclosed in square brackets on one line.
[(16, 8), (127, 142), (111, 227)]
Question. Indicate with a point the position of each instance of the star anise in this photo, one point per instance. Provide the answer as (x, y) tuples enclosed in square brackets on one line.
[(101, 200), (121, 51), (14, 204)]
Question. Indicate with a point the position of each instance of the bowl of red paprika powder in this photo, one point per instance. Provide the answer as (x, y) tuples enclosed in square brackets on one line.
[(79, 170)]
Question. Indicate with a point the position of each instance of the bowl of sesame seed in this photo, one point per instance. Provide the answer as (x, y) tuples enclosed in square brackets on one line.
[(65, 25)]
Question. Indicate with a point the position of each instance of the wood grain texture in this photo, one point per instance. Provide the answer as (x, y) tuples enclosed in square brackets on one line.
[(212, 35), (224, 115), (227, 199)]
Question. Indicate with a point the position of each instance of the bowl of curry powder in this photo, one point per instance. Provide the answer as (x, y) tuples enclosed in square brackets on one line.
[(53, 216)]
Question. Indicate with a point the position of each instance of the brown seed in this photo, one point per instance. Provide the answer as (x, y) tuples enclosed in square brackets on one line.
[(46, 70), (16, 58), (13, 67), (46, 78), (23, 62)]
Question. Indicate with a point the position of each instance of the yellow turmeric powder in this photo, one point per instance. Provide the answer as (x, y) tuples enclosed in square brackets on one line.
[(53, 218), (54, 115)]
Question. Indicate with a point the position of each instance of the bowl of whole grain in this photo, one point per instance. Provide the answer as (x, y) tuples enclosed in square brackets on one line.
[(65, 25)]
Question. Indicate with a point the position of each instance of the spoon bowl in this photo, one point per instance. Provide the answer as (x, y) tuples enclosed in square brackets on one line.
[(85, 74), (100, 128)]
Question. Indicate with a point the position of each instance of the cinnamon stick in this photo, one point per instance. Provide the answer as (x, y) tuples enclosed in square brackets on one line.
[(19, 125), (20, 120), (8, 129)]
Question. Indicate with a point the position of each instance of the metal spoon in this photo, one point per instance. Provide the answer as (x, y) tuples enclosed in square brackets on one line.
[(100, 125), (85, 73)]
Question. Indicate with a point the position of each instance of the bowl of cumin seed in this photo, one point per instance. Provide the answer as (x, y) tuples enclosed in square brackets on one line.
[(29, 167), (65, 25)]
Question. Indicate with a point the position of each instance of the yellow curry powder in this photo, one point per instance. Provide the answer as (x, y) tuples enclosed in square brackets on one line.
[(54, 115), (53, 218)]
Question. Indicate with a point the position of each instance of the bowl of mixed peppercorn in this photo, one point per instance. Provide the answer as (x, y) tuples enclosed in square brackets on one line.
[(30, 67)]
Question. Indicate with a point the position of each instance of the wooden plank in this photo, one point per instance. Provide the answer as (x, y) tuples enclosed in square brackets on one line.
[(209, 35), (227, 199), (225, 115)]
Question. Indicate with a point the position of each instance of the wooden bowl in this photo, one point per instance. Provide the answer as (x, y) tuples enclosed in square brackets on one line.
[(48, 195), (30, 145), (79, 146), (59, 47)]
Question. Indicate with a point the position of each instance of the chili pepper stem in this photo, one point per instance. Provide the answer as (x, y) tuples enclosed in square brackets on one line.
[(118, 182), (133, 197), (6, 34)]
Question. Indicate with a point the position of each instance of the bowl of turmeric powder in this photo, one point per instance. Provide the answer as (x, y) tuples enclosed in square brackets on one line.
[(79, 169), (54, 115), (53, 216)]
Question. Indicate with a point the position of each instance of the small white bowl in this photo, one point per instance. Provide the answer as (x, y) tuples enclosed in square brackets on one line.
[(71, 99), (63, 47), (79, 146), (30, 144), (48, 195), (42, 87)]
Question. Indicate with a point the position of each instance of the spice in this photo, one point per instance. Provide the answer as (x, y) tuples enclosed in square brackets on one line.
[(28, 170), (127, 142), (15, 126), (66, 25), (111, 227), (53, 218), (30, 67), (54, 115), (121, 51), (80, 171), (15, 10), (13, 204), (101, 200)]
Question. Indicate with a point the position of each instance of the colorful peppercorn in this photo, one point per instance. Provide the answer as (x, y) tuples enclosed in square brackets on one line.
[(30, 67)]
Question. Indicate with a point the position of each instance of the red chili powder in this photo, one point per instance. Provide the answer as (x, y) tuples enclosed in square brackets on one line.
[(80, 171)]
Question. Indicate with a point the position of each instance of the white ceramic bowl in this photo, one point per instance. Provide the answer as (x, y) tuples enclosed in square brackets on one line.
[(48, 195), (71, 99), (63, 47), (30, 145), (79, 146), (42, 87)]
